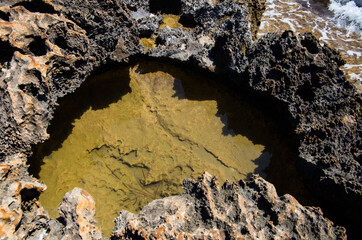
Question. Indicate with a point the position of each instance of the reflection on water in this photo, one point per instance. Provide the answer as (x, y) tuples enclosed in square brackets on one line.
[(313, 16), (132, 135)]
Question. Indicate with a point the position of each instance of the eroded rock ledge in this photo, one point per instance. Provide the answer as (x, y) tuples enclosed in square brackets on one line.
[(250, 210), (49, 47)]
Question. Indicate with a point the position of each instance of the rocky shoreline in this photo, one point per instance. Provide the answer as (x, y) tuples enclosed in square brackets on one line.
[(49, 48)]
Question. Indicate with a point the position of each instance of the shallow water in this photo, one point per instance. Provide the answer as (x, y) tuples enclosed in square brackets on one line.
[(140, 143), (337, 26)]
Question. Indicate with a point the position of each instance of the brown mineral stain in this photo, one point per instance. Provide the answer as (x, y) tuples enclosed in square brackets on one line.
[(5, 168), (159, 232), (8, 220), (141, 146)]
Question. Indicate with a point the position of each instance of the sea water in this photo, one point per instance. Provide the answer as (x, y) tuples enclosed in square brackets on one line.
[(337, 23)]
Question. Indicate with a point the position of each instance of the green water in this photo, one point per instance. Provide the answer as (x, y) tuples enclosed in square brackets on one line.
[(139, 131)]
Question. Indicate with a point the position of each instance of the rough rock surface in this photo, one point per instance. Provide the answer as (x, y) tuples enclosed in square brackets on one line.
[(243, 210), (78, 204), (16, 187), (49, 47), (324, 111), (22, 217), (256, 10)]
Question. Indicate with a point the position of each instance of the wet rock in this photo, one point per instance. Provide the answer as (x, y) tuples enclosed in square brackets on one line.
[(250, 209)]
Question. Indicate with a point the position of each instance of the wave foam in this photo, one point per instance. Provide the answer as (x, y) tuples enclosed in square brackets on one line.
[(347, 14)]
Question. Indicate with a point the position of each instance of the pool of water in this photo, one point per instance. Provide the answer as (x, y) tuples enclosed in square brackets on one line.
[(131, 135)]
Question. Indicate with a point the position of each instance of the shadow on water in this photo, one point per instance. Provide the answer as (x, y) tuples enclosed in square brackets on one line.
[(94, 93), (245, 116)]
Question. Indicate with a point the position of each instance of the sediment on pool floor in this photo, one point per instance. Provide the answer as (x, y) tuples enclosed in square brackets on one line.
[(150, 88)]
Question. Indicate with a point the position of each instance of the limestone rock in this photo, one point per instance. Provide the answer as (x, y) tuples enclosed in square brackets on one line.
[(49, 48), (18, 192), (256, 10), (77, 210), (244, 210), (323, 109)]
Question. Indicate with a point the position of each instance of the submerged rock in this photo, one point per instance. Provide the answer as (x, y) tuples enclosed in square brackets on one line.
[(49, 48)]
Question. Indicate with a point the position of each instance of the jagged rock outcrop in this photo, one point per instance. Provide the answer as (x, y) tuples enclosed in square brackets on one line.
[(243, 210), (22, 216), (324, 111), (256, 10), (49, 48), (77, 211)]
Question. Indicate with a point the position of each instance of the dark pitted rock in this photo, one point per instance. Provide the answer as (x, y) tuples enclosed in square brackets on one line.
[(204, 40), (256, 10), (244, 210), (49, 47), (324, 110)]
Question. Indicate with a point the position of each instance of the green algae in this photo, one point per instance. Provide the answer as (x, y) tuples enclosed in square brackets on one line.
[(146, 139)]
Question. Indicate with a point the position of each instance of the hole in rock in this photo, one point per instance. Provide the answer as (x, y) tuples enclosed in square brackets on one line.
[(146, 33), (310, 45), (38, 47), (33, 89), (131, 135), (306, 92), (29, 88), (277, 51), (37, 6), (61, 42), (4, 16), (28, 197), (7, 51), (29, 194), (188, 20), (165, 6)]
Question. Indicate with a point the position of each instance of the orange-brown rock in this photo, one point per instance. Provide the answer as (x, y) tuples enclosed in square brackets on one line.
[(16, 187), (77, 210)]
